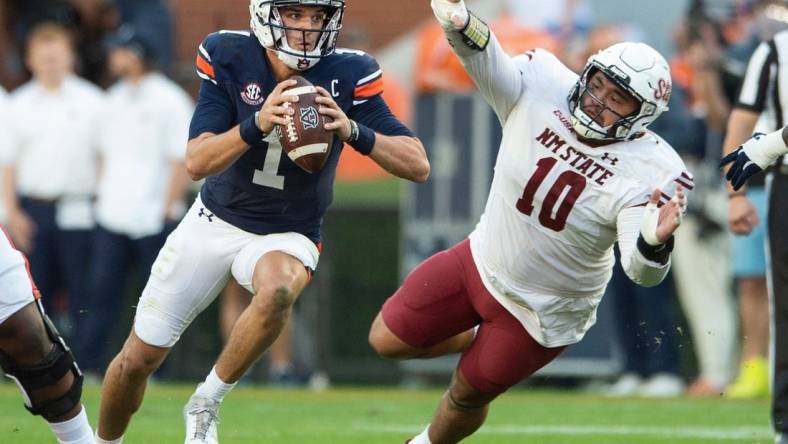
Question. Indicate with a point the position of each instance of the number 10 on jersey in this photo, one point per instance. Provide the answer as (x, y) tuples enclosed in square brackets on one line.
[(567, 187)]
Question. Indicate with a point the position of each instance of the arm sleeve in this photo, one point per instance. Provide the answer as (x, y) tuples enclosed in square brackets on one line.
[(375, 113), (640, 270), (496, 74), (754, 87)]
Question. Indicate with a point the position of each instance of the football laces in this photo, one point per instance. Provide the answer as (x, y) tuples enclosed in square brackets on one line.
[(292, 134)]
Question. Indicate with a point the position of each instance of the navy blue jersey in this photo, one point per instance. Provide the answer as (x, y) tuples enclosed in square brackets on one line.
[(264, 192)]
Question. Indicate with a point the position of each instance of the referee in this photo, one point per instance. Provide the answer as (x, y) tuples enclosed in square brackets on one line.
[(763, 102)]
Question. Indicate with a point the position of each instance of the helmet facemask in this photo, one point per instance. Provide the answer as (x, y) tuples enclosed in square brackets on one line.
[(645, 78), (269, 26)]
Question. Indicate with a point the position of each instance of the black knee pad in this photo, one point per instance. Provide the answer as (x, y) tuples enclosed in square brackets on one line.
[(48, 372)]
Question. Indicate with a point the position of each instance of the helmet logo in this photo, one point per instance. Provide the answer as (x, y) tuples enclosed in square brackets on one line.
[(252, 94), (309, 118), (663, 90), (303, 63)]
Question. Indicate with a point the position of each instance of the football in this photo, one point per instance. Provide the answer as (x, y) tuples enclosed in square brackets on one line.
[(304, 138)]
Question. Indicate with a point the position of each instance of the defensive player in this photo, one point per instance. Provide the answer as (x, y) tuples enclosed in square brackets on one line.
[(258, 215), (35, 356), (573, 176)]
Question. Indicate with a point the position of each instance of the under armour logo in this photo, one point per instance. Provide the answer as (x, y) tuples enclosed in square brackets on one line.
[(207, 215), (609, 158)]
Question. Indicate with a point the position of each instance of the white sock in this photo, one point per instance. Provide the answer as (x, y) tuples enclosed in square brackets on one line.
[(423, 438), (214, 388), (73, 431), (104, 441)]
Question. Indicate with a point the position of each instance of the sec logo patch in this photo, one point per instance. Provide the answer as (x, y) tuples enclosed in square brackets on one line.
[(252, 94)]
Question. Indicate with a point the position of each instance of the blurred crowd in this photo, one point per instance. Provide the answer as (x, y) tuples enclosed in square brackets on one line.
[(93, 138)]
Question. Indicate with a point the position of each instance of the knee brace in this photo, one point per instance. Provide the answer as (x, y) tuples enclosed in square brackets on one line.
[(49, 371)]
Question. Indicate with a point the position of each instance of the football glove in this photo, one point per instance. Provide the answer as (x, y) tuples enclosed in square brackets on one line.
[(753, 157), (451, 16)]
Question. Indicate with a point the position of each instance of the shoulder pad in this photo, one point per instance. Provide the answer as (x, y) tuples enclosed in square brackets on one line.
[(366, 73), (216, 47)]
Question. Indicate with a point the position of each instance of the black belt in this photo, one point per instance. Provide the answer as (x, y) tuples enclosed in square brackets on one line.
[(39, 201)]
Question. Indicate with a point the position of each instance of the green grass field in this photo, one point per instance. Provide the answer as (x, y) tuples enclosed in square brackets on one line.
[(373, 415)]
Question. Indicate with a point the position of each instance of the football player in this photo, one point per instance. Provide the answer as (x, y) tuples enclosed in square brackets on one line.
[(576, 172), (754, 156), (35, 356), (258, 215)]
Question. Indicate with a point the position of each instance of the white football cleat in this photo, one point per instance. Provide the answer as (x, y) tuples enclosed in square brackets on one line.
[(661, 385), (202, 419), (626, 385)]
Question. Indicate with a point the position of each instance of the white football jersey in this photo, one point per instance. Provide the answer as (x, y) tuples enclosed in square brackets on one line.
[(544, 245), (14, 279)]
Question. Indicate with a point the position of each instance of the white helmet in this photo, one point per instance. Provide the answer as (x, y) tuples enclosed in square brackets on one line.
[(639, 70), (268, 27)]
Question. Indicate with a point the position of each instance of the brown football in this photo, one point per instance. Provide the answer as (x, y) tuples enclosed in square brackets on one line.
[(304, 138)]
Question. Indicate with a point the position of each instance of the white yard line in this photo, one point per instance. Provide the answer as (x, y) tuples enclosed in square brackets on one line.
[(715, 433)]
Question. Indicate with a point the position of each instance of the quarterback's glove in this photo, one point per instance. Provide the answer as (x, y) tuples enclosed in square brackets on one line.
[(753, 157), (451, 16)]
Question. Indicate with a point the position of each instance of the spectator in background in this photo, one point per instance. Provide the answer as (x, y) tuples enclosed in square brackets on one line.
[(155, 17), (141, 187), (50, 168), (89, 20), (95, 20), (694, 126), (563, 19), (19, 17), (597, 38), (646, 330), (439, 70)]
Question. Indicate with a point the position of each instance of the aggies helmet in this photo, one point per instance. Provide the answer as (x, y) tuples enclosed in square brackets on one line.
[(637, 69)]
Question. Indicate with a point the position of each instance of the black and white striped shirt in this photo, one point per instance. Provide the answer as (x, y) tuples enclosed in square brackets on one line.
[(764, 88)]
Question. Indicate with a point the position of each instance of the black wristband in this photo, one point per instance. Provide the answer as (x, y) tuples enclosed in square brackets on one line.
[(362, 138), (655, 253), (250, 133)]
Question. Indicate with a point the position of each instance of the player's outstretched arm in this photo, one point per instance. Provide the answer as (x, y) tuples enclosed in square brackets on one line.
[(645, 237), (754, 156), (402, 156), (211, 153), (499, 81)]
